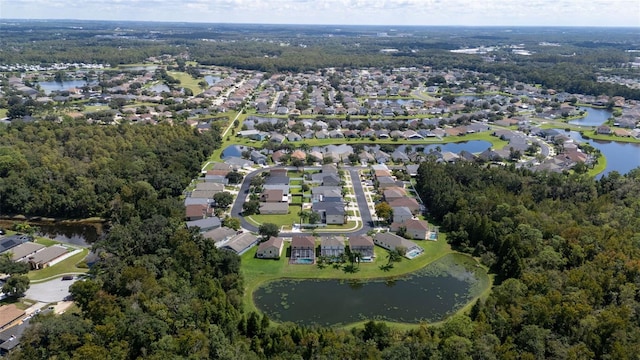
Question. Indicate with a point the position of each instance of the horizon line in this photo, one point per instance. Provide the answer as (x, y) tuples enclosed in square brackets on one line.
[(322, 24)]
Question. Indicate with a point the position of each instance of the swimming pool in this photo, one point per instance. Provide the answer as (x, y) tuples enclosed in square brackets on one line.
[(303, 261), (433, 236), (413, 253)]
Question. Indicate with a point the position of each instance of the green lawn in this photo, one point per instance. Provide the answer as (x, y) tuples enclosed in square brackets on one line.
[(63, 267), (348, 225), (257, 271), (45, 241), (3, 113), (187, 81), (280, 220), (296, 199)]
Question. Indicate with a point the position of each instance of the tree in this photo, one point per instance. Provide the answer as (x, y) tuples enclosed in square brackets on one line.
[(8, 266), (16, 285), (250, 207), (304, 215), (232, 223), (384, 211), (314, 218), (235, 177), (223, 199), (268, 230)]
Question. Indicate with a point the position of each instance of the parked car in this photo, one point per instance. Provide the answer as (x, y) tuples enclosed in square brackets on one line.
[(67, 277)]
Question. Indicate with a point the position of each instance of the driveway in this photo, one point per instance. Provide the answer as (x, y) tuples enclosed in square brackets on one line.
[(50, 291)]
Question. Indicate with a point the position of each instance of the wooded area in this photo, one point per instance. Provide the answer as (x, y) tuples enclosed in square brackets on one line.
[(79, 170), (565, 248)]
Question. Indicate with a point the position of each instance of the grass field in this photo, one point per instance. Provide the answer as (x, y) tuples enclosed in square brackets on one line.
[(187, 81), (257, 271), (280, 220), (3, 113)]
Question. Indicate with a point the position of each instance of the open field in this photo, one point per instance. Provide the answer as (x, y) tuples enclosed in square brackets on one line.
[(280, 220), (187, 81)]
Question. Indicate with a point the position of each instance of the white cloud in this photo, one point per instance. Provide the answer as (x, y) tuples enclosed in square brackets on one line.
[(384, 12)]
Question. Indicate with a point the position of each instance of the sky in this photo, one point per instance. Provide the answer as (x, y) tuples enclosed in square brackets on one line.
[(342, 12)]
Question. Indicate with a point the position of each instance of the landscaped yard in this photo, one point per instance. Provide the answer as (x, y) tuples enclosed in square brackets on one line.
[(257, 271), (280, 220), (63, 267)]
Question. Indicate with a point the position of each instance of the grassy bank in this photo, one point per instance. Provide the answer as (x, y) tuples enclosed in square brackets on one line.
[(258, 271)]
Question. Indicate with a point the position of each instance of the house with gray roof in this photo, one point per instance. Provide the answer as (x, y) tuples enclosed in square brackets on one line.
[(270, 249), (275, 208), (24, 250), (9, 242), (330, 212), (241, 243), (392, 242), (45, 257), (205, 224), (363, 245), (401, 214), (238, 163), (219, 235), (331, 247)]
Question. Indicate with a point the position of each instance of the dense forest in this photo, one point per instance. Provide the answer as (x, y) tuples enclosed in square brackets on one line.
[(78, 170), (565, 249)]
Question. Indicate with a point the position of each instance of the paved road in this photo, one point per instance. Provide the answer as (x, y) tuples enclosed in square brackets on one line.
[(50, 291), (367, 220)]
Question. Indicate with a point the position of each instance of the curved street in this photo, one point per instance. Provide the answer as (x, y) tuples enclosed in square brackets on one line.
[(365, 212)]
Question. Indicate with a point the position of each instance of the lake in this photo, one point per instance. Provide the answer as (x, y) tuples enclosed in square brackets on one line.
[(51, 86), (431, 294), (595, 117), (159, 88), (81, 234), (210, 79), (473, 146), (621, 157)]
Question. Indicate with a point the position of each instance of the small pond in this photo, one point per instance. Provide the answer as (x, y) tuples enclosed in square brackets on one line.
[(74, 233), (210, 79), (234, 151), (50, 86), (430, 294), (473, 146), (595, 117), (159, 88)]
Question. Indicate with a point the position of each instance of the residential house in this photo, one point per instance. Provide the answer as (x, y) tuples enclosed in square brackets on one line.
[(330, 212), (270, 249), (258, 157), (278, 208), (9, 314), (210, 186), (401, 214), (603, 129), (10, 338), (303, 249), (205, 224), (24, 250), (412, 169), (220, 179), (392, 242), (331, 247), (277, 138), (9, 242), (316, 155), (238, 163), (220, 235), (363, 245), (394, 193), (196, 212), (292, 136), (241, 243), (385, 182), (326, 194), (415, 229), (299, 155), (47, 257), (278, 155), (273, 196), (408, 202)]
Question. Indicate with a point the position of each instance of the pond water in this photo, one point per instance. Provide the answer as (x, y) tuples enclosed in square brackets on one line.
[(233, 151), (76, 234), (159, 88), (621, 157), (430, 294), (473, 146), (595, 117), (50, 86), (210, 79), (389, 102), (139, 68)]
